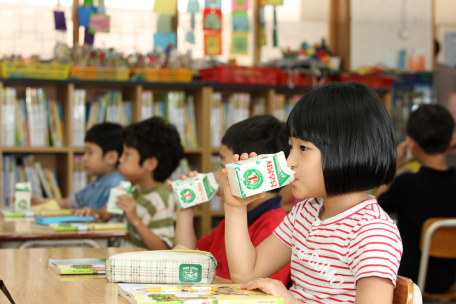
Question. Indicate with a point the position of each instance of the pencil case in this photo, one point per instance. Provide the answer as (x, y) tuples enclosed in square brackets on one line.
[(162, 267)]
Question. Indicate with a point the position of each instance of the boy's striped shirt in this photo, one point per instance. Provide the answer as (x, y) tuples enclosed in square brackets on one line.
[(329, 256), (155, 208)]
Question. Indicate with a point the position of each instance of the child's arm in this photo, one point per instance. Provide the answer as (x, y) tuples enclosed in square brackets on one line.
[(185, 232), (374, 290), (245, 261), (150, 239), (63, 203)]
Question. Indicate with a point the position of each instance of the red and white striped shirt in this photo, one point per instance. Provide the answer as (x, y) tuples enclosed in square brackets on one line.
[(329, 256)]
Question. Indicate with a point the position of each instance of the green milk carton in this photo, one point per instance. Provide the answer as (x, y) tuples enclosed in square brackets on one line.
[(194, 191), (259, 174), (23, 196), (123, 188)]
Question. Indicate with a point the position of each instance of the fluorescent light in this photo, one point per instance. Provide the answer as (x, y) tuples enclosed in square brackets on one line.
[(10, 1), (41, 2)]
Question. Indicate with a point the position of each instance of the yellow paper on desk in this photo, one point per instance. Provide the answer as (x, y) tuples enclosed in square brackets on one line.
[(165, 7), (50, 205)]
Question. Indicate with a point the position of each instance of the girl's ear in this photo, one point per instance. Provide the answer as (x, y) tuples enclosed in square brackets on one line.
[(112, 157), (452, 141), (150, 164)]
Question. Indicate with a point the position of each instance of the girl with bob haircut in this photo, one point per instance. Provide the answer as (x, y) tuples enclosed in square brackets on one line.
[(342, 246)]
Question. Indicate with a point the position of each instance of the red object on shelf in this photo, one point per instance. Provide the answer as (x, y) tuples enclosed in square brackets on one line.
[(373, 81), (241, 75), (296, 79)]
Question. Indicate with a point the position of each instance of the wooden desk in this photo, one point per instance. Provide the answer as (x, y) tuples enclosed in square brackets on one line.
[(28, 278), (13, 232)]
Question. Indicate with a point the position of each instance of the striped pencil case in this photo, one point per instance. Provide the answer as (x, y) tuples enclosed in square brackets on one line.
[(162, 267)]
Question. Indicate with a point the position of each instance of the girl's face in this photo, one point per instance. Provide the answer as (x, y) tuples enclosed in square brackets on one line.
[(305, 160)]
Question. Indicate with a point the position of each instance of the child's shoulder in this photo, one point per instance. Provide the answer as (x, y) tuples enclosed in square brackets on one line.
[(158, 195)]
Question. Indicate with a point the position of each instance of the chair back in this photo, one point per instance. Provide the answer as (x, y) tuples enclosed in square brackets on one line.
[(441, 240), (404, 291)]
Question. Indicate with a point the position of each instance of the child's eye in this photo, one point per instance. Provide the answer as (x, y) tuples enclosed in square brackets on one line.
[(302, 148)]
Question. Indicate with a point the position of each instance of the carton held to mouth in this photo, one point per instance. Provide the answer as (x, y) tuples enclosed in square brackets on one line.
[(195, 190), (259, 174), (123, 188)]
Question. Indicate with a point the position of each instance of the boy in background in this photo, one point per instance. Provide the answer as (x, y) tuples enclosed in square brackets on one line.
[(263, 134), (429, 193), (102, 150), (152, 151)]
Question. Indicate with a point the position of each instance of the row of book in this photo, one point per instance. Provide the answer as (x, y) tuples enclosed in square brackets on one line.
[(228, 109), (283, 105), (27, 169), (176, 109), (32, 121), (109, 107), (80, 178)]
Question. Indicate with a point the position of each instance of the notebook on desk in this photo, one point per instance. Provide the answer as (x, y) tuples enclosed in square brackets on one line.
[(63, 219)]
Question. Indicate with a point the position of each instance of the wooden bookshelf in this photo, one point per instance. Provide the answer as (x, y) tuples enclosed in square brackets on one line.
[(62, 158)]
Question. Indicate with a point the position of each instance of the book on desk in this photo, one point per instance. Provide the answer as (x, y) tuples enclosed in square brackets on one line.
[(195, 294), (78, 266)]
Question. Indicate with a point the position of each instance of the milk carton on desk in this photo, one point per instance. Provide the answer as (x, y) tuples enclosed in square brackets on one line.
[(23, 196), (194, 190), (259, 174), (123, 188)]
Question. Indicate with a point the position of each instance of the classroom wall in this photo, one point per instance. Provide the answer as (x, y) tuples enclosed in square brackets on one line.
[(375, 30), (445, 22)]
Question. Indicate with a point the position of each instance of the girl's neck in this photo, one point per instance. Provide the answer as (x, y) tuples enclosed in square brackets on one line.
[(333, 205)]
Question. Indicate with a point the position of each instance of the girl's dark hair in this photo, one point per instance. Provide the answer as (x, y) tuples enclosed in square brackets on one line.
[(352, 129), (153, 138)]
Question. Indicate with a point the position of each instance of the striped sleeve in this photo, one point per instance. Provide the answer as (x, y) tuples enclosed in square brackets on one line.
[(162, 221), (285, 230), (375, 249)]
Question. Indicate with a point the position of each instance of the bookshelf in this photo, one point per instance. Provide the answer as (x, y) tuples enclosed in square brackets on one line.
[(62, 158)]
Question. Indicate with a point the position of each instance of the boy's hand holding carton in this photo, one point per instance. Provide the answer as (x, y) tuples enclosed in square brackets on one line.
[(194, 190), (124, 188)]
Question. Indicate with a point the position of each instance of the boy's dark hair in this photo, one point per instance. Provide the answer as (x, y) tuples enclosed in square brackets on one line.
[(107, 136), (263, 134), (153, 138), (431, 126), (352, 129)]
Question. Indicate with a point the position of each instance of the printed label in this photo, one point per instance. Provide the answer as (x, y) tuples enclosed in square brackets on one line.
[(253, 179), (188, 196), (282, 176), (190, 273), (271, 174), (207, 186)]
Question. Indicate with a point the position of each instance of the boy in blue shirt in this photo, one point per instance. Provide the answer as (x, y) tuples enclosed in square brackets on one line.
[(103, 148)]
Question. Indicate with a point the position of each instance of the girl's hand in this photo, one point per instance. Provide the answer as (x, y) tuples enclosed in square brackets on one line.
[(128, 204), (271, 287), (232, 200)]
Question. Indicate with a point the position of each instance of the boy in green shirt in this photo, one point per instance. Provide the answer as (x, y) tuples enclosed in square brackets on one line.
[(152, 151)]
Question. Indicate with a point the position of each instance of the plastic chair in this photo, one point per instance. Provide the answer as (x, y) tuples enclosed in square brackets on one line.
[(438, 239), (406, 292)]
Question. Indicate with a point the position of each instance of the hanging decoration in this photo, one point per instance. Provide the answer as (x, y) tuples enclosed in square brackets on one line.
[(241, 28), (212, 26), (99, 21), (165, 38), (192, 8), (262, 27)]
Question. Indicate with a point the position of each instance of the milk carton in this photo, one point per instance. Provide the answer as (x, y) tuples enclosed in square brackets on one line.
[(23, 196), (123, 188), (259, 174), (194, 191)]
